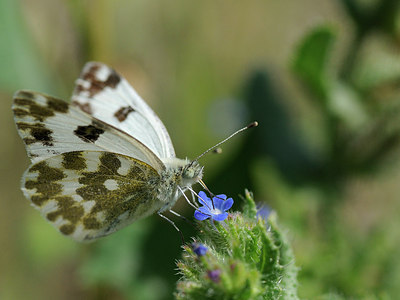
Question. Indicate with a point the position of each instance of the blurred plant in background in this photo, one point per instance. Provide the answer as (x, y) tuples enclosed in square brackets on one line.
[(357, 98), (325, 156)]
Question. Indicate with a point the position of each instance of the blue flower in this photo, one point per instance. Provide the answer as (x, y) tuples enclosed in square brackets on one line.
[(215, 209), (263, 211), (199, 249)]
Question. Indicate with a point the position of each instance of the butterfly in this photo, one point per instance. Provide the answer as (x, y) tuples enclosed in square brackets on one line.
[(100, 162)]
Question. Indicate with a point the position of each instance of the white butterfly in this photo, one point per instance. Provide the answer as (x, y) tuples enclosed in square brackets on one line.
[(101, 162)]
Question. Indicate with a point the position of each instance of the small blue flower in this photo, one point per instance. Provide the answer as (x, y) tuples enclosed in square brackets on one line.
[(215, 209), (199, 249), (263, 211)]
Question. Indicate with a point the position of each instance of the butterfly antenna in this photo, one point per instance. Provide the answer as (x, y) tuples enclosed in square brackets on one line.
[(254, 124)]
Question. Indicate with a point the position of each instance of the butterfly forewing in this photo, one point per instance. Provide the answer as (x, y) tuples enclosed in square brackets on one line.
[(90, 194), (107, 96), (49, 126)]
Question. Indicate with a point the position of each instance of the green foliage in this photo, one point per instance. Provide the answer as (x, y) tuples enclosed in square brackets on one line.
[(313, 65), (373, 15), (352, 118), (358, 99), (248, 257), (312, 59)]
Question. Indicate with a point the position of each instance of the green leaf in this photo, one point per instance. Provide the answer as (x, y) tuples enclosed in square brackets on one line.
[(378, 65), (249, 207), (311, 65), (345, 104), (312, 58)]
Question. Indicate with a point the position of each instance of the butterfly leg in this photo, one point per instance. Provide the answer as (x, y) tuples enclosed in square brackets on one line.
[(173, 224), (180, 216), (194, 198), (195, 206)]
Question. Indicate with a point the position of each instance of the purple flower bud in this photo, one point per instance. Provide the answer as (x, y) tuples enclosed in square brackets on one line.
[(214, 275), (199, 249)]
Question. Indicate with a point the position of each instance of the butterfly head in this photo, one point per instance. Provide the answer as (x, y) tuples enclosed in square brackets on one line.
[(185, 172), (192, 172)]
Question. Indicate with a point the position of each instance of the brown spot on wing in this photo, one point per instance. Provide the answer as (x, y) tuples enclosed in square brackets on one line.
[(91, 223), (67, 208), (123, 113), (38, 132), (74, 161), (97, 85), (89, 133), (57, 104), (45, 184), (113, 79), (31, 108), (67, 229), (28, 106), (25, 94)]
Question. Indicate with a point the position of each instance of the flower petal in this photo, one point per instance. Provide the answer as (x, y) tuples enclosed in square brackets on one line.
[(199, 249), (222, 196), (227, 204), (205, 210), (218, 203), (220, 217), (204, 200), (263, 211), (200, 216)]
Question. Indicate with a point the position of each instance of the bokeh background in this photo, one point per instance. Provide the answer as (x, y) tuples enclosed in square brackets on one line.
[(322, 79)]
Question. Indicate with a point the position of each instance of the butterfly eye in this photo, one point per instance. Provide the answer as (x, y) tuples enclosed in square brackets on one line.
[(192, 170), (188, 172)]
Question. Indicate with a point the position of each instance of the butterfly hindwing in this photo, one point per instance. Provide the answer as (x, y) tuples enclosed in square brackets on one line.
[(50, 126), (107, 96), (90, 194)]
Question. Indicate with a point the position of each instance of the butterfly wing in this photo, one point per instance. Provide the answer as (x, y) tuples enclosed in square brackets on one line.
[(49, 127), (90, 194), (107, 96)]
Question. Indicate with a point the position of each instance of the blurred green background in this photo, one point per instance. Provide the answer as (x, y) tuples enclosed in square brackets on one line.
[(321, 77)]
